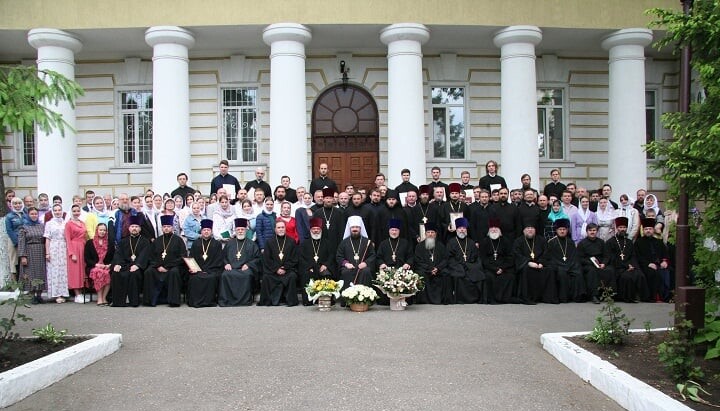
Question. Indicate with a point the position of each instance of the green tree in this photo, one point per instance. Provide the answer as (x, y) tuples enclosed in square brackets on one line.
[(25, 93)]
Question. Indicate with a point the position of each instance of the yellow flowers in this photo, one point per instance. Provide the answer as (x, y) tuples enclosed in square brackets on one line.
[(325, 286)]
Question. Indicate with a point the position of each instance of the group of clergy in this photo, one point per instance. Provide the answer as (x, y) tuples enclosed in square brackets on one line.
[(432, 240)]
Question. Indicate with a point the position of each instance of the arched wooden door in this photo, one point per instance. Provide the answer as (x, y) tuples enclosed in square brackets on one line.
[(345, 135)]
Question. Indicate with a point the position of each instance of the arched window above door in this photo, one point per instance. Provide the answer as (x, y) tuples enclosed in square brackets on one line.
[(345, 110)]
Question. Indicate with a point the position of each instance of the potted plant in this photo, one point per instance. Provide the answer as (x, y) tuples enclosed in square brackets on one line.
[(323, 290), (359, 297), (398, 284)]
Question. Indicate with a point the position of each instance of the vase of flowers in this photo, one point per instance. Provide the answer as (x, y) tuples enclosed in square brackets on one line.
[(359, 297), (323, 290), (398, 284)]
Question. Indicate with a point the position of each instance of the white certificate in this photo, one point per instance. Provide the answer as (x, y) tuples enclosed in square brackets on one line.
[(453, 217)]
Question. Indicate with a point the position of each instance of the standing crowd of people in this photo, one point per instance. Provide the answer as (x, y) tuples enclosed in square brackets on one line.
[(483, 243)]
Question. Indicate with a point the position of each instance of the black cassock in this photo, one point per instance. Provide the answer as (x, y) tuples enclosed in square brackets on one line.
[(280, 252), (595, 278), (562, 258), (394, 253), (497, 255), (652, 250), (167, 251), (125, 285), (236, 284), (202, 286), (465, 267), (631, 284), (438, 287), (534, 284), (348, 249), (445, 217), (332, 232), (313, 255)]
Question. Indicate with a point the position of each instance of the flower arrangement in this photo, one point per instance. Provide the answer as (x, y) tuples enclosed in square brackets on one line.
[(398, 282), (323, 287), (360, 294)]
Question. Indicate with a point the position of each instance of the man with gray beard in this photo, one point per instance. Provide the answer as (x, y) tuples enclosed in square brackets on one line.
[(431, 260), (498, 264), (243, 268), (316, 258), (122, 220), (469, 280)]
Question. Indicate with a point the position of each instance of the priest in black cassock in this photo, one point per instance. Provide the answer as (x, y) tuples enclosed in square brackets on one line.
[(394, 252), (317, 258), (203, 283), (393, 210), (420, 214), (450, 211), (333, 218), (594, 263), (536, 283), (243, 268), (356, 255), (130, 260), (563, 260), (496, 254), (431, 260), (631, 284), (280, 263), (465, 267), (654, 261), (164, 276)]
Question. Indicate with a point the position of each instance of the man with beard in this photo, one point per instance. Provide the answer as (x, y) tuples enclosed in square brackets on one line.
[(535, 281), (164, 277), (526, 184), (280, 196), (431, 260), (491, 180), (451, 211), (653, 260), (508, 216), (516, 197), (122, 220), (203, 283), (280, 261), (593, 260), (631, 284), (529, 213), (419, 215), (258, 183), (129, 262), (243, 267), (394, 252), (374, 206), (359, 208), (333, 218), (392, 211), (317, 258), (479, 216), (496, 255), (356, 254), (466, 269), (562, 259)]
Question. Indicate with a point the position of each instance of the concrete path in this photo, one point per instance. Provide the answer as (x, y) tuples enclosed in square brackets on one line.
[(468, 357)]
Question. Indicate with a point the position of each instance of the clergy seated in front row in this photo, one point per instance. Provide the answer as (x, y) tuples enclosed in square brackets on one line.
[(394, 252), (654, 261), (208, 254), (164, 276), (562, 259), (536, 282), (317, 258), (356, 255), (465, 268), (243, 267), (594, 263), (130, 260), (631, 284), (497, 261), (431, 260), (280, 262)]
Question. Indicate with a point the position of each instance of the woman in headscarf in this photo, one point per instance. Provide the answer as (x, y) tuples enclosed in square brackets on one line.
[(303, 214), (265, 223), (223, 220), (556, 213), (31, 250), (56, 256), (627, 210), (191, 225), (75, 237), (169, 209), (99, 252), (580, 220), (651, 203), (606, 220), (248, 212)]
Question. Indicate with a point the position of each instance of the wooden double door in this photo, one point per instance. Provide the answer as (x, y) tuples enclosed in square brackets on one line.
[(345, 135)]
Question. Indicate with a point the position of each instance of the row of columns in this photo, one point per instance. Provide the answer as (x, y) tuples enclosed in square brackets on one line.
[(57, 165)]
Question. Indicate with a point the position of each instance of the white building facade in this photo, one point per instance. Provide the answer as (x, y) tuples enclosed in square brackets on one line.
[(165, 99)]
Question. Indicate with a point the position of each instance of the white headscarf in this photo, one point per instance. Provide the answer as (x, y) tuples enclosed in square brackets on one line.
[(353, 221)]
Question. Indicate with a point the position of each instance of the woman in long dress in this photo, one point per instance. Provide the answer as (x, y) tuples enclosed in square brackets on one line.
[(75, 236), (580, 220), (56, 256), (99, 252), (31, 250)]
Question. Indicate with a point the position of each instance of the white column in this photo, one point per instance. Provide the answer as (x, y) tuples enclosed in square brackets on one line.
[(518, 93), (627, 164), (406, 116), (171, 104), (57, 170), (288, 108)]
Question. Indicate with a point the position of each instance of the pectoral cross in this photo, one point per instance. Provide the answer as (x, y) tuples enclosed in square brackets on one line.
[(132, 257), (495, 256), (327, 224), (238, 255), (204, 257), (424, 220), (564, 258), (622, 256), (316, 258), (532, 255), (356, 257), (163, 255), (465, 257), (393, 257), (281, 255)]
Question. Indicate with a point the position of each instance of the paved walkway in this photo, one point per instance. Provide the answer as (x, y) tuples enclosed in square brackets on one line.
[(278, 358)]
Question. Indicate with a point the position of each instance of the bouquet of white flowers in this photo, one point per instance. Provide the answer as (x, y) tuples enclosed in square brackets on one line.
[(398, 282), (359, 294)]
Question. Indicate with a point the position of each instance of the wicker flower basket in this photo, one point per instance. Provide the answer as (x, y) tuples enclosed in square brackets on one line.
[(359, 308)]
